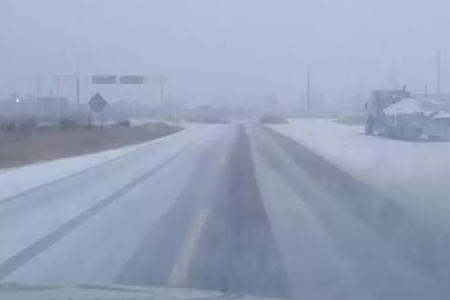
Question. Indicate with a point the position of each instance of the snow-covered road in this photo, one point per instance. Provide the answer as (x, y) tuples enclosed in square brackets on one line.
[(415, 173), (51, 195), (234, 208)]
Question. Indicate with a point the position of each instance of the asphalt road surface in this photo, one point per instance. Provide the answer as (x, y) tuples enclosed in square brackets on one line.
[(235, 208)]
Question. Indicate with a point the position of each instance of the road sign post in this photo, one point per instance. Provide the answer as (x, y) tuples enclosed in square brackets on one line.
[(97, 104)]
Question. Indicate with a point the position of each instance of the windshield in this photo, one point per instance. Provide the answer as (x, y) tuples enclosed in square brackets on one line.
[(285, 149)]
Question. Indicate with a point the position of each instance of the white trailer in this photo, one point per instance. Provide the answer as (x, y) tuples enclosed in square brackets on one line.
[(396, 115)]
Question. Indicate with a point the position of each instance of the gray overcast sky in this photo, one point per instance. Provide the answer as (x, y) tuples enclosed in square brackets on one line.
[(243, 48)]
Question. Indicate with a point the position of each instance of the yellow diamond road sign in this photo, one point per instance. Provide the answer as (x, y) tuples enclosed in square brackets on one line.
[(97, 103)]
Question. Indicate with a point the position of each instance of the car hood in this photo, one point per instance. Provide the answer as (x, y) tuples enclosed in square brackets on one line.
[(109, 292)]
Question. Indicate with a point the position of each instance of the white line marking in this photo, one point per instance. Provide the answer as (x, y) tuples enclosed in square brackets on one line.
[(181, 267)]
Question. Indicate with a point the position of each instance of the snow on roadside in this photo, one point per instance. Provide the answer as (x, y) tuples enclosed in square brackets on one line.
[(17, 180), (416, 173)]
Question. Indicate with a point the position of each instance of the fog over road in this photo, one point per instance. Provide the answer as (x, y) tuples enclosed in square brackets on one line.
[(236, 208)]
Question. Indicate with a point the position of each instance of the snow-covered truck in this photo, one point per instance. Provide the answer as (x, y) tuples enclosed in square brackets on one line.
[(396, 114)]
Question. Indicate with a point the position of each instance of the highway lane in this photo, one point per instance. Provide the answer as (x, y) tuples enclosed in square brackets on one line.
[(341, 254), (33, 219), (233, 208), (237, 251)]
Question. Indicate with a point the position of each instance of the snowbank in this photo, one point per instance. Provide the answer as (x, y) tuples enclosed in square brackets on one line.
[(416, 173)]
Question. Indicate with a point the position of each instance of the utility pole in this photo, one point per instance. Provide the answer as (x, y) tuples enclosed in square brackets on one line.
[(77, 78), (395, 79), (307, 94), (38, 87), (162, 78), (58, 86), (439, 72)]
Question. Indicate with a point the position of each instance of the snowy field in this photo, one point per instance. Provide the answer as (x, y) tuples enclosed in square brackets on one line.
[(415, 173)]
